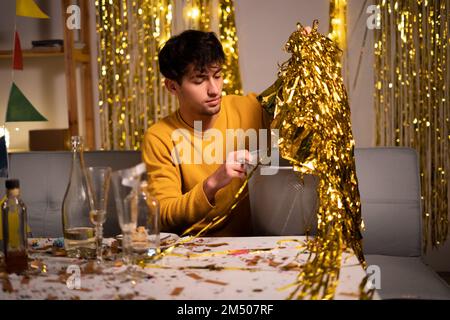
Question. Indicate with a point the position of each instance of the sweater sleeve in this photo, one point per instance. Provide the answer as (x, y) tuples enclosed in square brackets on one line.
[(178, 211)]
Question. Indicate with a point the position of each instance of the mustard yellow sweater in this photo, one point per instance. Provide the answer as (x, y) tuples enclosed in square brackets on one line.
[(178, 184)]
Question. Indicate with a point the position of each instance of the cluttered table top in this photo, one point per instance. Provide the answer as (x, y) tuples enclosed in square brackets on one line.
[(237, 268)]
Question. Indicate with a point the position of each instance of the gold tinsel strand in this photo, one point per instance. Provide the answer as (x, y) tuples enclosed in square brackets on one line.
[(338, 32), (131, 97), (338, 23), (197, 14), (412, 53), (228, 36), (310, 107)]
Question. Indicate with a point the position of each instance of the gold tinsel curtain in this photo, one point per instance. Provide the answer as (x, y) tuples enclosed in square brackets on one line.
[(218, 16), (130, 93), (130, 33), (338, 33), (228, 36), (412, 79)]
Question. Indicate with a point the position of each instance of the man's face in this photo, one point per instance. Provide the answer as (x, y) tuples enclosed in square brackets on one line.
[(201, 90)]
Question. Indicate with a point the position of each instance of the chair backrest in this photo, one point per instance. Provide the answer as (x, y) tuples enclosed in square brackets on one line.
[(282, 204), (44, 177), (389, 185)]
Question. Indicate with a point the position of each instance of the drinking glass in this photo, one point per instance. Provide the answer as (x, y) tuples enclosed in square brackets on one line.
[(148, 222), (126, 191), (98, 184)]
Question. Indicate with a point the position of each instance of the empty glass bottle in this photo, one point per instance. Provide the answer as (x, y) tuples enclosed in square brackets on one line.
[(79, 235)]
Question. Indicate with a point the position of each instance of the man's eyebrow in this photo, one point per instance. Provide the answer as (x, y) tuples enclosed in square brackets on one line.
[(198, 72), (204, 73), (198, 75)]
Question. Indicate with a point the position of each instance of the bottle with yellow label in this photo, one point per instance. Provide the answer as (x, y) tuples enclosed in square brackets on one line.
[(14, 225)]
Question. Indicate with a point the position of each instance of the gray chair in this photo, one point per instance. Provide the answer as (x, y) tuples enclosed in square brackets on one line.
[(43, 181), (389, 186)]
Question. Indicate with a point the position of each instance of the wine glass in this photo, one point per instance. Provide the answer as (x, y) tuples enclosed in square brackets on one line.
[(98, 185)]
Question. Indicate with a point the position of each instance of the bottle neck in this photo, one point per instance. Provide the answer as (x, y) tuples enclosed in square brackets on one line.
[(77, 153), (13, 192)]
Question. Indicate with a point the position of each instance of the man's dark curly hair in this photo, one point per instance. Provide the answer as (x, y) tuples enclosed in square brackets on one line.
[(202, 49)]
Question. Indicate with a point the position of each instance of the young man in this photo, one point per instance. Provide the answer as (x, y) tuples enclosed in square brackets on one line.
[(192, 170)]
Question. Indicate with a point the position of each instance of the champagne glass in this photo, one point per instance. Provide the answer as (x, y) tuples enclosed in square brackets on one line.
[(98, 185)]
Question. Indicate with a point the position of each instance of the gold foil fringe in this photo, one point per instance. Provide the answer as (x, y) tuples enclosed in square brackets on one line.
[(338, 33), (131, 96), (228, 36), (310, 108), (412, 78)]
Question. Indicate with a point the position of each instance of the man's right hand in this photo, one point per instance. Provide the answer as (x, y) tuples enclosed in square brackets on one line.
[(234, 167)]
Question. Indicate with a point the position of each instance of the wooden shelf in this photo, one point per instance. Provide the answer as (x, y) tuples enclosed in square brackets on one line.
[(6, 54), (80, 56)]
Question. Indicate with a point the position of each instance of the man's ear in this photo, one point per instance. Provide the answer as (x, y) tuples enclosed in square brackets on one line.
[(171, 85)]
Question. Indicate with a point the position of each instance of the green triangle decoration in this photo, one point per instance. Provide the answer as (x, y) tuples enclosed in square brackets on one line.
[(20, 108)]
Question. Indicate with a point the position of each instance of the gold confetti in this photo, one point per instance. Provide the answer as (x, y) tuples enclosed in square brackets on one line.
[(194, 276), (220, 283), (177, 291)]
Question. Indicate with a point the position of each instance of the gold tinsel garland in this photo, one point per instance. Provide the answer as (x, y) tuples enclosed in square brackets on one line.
[(310, 107), (131, 92), (412, 53)]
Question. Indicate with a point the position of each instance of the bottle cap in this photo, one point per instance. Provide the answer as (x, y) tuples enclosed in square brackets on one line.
[(12, 184)]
